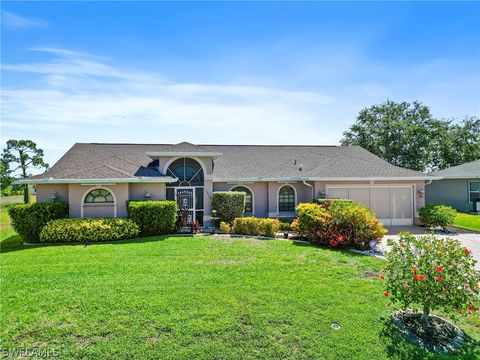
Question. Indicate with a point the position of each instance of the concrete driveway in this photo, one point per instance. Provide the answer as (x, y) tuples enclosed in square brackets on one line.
[(469, 239)]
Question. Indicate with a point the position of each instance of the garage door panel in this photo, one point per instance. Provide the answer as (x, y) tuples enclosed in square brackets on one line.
[(402, 203), (391, 205), (338, 193), (381, 203), (361, 195)]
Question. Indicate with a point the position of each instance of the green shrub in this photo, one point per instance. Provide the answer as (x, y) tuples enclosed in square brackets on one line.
[(437, 215), (256, 226), (431, 273), (29, 219), (154, 217), (285, 225), (225, 227), (228, 205), (338, 224), (327, 202), (88, 229)]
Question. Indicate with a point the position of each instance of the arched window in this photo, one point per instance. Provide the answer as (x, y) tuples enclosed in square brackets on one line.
[(286, 198), (187, 171), (99, 196), (248, 197)]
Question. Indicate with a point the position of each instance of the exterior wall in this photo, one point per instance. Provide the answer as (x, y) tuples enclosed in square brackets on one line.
[(265, 196), (259, 195), (45, 191), (418, 190), (77, 192), (451, 192), (136, 191)]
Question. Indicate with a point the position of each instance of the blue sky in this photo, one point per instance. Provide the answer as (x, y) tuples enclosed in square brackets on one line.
[(266, 73)]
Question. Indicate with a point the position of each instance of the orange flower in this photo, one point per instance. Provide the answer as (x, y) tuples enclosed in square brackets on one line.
[(438, 278), (471, 308), (382, 277), (386, 293), (419, 277), (414, 268), (467, 251)]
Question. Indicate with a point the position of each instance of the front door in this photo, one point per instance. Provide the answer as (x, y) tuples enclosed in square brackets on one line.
[(186, 202)]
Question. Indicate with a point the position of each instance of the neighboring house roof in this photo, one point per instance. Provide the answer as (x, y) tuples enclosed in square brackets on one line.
[(135, 162), (470, 170)]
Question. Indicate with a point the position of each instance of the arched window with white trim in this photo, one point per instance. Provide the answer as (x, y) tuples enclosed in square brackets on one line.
[(286, 199), (99, 196), (248, 198)]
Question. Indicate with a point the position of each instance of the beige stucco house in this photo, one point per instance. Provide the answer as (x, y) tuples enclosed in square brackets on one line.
[(98, 179)]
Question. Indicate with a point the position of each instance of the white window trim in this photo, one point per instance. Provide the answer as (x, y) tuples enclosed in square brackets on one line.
[(468, 190), (251, 192), (278, 199), (200, 162), (93, 204)]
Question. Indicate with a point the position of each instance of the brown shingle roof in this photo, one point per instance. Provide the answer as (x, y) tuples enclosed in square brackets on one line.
[(255, 162)]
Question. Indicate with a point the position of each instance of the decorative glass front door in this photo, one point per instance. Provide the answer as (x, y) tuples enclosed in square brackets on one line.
[(186, 202)]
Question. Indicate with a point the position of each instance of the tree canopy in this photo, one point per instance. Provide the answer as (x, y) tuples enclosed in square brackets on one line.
[(407, 135), (19, 156)]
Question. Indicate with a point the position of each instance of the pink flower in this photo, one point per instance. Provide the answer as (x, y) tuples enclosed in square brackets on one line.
[(414, 268), (438, 278), (439, 268), (419, 277)]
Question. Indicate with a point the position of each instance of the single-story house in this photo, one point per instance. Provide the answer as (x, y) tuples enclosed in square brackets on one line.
[(98, 179), (459, 187)]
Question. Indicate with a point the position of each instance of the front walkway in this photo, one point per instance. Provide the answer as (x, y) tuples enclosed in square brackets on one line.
[(471, 240)]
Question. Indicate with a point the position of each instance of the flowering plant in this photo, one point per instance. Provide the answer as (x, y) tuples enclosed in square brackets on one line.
[(431, 272)]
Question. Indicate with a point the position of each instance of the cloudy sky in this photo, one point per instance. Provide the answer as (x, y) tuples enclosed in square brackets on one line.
[(245, 73)]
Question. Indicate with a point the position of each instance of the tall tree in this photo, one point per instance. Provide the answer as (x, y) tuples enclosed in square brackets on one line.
[(396, 132), (458, 144), (22, 154), (407, 135)]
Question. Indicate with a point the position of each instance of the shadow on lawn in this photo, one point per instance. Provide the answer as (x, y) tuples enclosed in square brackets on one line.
[(399, 348), (15, 243)]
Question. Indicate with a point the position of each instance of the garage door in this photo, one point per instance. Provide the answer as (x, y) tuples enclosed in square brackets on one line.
[(392, 205)]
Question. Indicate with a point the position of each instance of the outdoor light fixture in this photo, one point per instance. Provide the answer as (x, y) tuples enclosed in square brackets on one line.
[(420, 193), (54, 196), (147, 195), (322, 193)]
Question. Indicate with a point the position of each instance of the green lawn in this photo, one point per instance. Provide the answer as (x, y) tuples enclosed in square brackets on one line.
[(467, 221), (5, 202), (185, 297)]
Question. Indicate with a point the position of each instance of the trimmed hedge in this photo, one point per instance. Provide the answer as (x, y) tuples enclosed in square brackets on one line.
[(29, 219), (88, 229), (228, 204), (154, 217), (437, 215), (338, 224), (256, 226)]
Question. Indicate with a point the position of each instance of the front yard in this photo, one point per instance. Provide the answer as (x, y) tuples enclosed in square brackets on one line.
[(467, 221), (199, 297)]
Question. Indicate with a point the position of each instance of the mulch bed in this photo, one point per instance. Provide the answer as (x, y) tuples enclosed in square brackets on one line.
[(441, 335)]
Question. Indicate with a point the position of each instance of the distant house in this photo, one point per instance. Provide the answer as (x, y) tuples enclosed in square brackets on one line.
[(459, 187), (98, 179)]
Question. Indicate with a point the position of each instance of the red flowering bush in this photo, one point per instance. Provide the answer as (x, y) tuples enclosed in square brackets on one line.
[(433, 273), (338, 224)]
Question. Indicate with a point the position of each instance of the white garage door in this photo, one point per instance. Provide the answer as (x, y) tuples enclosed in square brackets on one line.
[(392, 205)]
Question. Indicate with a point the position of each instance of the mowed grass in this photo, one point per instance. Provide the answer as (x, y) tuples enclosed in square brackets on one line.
[(199, 297), (467, 221), (5, 203)]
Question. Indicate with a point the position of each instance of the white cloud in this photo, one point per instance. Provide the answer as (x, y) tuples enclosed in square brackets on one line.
[(77, 97), (15, 22)]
